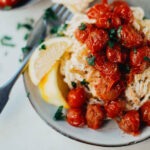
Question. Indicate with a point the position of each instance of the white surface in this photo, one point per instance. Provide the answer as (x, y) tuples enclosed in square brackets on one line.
[(20, 127)]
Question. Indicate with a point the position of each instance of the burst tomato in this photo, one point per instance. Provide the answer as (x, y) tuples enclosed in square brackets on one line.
[(145, 112), (94, 116), (130, 123), (114, 108), (11, 3), (75, 117), (76, 97)]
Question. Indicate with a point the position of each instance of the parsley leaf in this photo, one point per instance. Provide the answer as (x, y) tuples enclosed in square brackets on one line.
[(84, 83), (49, 14), (26, 36), (146, 58), (118, 32), (4, 41), (59, 114), (25, 25), (82, 26), (111, 44), (134, 49), (74, 85), (43, 47), (54, 30), (20, 60), (91, 60), (145, 18), (7, 8), (25, 49), (28, 94), (41, 41)]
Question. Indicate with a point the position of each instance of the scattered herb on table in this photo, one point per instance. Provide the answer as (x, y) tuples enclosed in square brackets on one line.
[(5, 41), (26, 36), (28, 94), (43, 47), (24, 25), (118, 32), (20, 60), (60, 35), (82, 26), (7, 8), (91, 60), (49, 14), (59, 115), (146, 58), (74, 85)]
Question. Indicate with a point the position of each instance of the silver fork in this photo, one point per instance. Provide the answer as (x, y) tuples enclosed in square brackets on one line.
[(38, 33)]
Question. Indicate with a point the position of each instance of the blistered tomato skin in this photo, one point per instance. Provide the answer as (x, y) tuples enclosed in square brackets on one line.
[(75, 117), (115, 21), (97, 40), (137, 58), (102, 13), (94, 116), (130, 123), (125, 13), (114, 108), (115, 54), (109, 90), (76, 97), (129, 37), (11, 3), (145, 112), (82, 35)]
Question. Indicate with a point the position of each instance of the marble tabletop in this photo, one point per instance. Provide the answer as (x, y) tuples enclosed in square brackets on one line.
[(20, 127)]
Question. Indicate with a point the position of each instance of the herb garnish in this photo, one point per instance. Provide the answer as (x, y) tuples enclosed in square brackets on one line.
[(7, 8), (41, 41), (25, 49), (118, 32), (134, 49), (4, 41), (111, 44), (112, 34), (59, 114), (84, 83), (49, 14), (146, 58), (82, 26), (25, 25), (91, 60), (20, 60), (74, 85), (60, 34), (26, 36), (43, 47), (28, 94), (54, 30)]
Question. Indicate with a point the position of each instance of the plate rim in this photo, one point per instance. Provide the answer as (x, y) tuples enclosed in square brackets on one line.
[(72, 137)]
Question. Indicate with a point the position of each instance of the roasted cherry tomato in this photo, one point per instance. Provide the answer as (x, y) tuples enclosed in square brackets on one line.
[(145, 112), (124, 12), (130, 122), (75, 117), (97, 40), (102, 13), (76, 97), (82, 35), (94, 116), (117, 3), (11, 3), (109, 90), (115, 54), (129, 37), (114, 108), (137, 58), (108, 70), (115, 21)]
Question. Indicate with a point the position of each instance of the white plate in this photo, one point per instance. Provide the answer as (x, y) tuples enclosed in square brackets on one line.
[(109, 135)]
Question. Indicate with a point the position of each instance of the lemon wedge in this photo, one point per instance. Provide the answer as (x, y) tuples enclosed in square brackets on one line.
[(52, 87), (43, 59)]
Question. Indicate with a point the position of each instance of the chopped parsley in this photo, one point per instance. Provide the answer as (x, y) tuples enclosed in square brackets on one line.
[(41, 41), (111, 44), (54, 30), (24, 25), (84, 83), (74, 85), (109, 20), (59, 114), (26, 36), (49, 14), (118, 32), (43, 47), (20, 60), (134, 49), (146, 58), (5, 41), (82, 26), (91, 60), (60, 34), (25, 49), (7, 8), (28, 94), (112, 34)]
